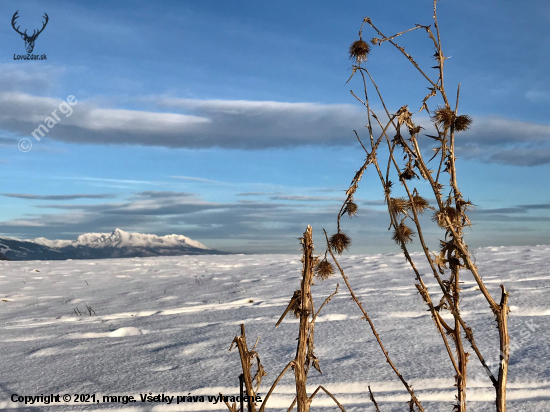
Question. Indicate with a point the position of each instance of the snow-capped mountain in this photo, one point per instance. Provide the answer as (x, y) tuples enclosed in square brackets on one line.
[(102, 245)]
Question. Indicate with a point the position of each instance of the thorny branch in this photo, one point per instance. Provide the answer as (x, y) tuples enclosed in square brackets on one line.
[(373, 329)]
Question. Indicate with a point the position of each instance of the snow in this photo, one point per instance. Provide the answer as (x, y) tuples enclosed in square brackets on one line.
[(164, 325), (120, 238), (117, 244), (56, 243)]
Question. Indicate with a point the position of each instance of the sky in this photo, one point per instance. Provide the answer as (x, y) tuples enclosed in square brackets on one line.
[(232, 123)]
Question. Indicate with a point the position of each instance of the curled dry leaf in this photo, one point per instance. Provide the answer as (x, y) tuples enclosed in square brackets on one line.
[(296, 303), (316, 364), (408, 173), (415, 130)]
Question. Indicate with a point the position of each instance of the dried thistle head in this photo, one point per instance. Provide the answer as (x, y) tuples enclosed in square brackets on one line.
[(406, 233), (440, 217), (260, 373), (351, 208), (399, 205), (387, 188), (463, 122), (324, 269), (420, 204), (375, 41), (339, 241), (358, 51), (443, 117), (408, 173)]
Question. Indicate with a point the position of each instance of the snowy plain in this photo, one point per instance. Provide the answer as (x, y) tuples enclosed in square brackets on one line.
[(164, 325)]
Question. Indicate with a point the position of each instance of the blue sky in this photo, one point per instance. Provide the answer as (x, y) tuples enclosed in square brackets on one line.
[(231, 123)]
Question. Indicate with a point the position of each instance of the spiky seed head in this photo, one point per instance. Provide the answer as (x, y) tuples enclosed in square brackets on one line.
[(351, 208), (408, 173), (443, 117), (324, 269), (463, 122), (339, 241), (406, 233), (420, 204), (452, 213), (440, 217), (375, 41), (399, 205), (387, 188), (358, 51)]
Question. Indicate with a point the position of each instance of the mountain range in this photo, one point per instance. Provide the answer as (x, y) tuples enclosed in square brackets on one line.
[(117, 244)]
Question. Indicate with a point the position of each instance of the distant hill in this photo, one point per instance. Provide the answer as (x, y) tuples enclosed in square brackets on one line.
[(117, 244)]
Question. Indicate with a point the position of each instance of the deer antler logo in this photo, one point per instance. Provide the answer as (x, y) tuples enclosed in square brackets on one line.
[(29, 40)]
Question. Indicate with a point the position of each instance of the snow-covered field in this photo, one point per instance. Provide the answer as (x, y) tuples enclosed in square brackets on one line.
[(164, 326)]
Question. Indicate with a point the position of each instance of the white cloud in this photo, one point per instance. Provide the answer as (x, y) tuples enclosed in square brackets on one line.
[(137, 121), (39, 78), (26, 223)]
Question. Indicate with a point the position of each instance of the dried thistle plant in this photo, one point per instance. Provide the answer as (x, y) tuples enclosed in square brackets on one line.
[(450, 215), (301, 304), (450, 208)]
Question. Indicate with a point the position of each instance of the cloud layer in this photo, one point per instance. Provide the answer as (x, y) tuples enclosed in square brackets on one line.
[(242, 226), (253, 125), (58, 197), (261, 226)]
